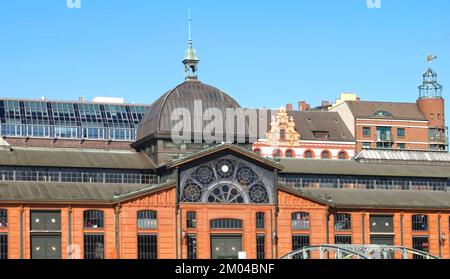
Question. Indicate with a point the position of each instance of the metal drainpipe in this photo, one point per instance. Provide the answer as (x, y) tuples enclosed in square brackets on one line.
[(275, 180), (181, 233), (69, 221), (177, 205), (363, 226), (401, 229), (327, 229), (117, 224), (271, 234), (439, 235), (21, 232)]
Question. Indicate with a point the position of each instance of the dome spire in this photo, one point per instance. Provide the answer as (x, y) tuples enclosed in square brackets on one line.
[(190, 60)]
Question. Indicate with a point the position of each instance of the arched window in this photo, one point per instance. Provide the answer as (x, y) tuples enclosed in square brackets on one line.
[(300, 221), (290, 153), (3, 218), (382, 113), (308, 154), (420, 222), (325, 155), (277, 153), (342, 155), (225, 180), (257, 151), (146, 219), (93, 219), (342, 221)]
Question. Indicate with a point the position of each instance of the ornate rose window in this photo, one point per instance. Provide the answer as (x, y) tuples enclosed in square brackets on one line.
[(226, 180)]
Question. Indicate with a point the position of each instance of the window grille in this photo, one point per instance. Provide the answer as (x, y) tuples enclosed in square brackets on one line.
[(93, 219), (147, 219), (343, 239), (94, 246), (3, 218), (191, 246), (260, 247), (147, 246), (420, 222), (298, 242), (420, 243), (191, 219), (260, 220), (300, 221), (226, 224), (342, 221), (3, 246)]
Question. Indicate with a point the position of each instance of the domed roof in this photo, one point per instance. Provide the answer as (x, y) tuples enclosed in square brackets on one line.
[(157, 122)]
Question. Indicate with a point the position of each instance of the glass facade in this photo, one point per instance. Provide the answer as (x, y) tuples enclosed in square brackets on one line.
[(41, 174), (70, 120), (364, 182)]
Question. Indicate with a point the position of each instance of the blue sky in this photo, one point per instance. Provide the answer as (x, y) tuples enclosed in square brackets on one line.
[(263, 53)]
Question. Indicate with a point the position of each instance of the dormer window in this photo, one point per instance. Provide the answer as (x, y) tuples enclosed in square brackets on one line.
[(382, 113), (322, 135)]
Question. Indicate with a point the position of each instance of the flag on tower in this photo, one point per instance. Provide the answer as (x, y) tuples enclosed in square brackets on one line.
[(431, 57)]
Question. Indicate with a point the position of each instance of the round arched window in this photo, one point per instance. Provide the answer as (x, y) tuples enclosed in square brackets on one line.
[(342, 155), (290, 153), (277, 153), (325, 155), (309, 154), (225, 180)]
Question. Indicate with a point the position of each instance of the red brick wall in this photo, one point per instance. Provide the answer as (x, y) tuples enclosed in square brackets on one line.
[(164, 203), (416, 133)]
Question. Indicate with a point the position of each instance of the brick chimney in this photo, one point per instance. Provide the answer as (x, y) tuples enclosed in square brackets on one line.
[(289, 107), (302, 105), (325, 104)]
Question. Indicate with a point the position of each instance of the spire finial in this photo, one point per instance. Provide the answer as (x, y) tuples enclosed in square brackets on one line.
[(190, 32), (190, 60)]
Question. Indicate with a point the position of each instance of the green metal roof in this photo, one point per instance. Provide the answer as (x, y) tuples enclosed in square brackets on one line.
[(51, 192), (342, 198), (47, 157)]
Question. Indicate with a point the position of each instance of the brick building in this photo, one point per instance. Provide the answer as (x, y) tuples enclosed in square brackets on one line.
[(157, 199), (306, 134), (391, 125)]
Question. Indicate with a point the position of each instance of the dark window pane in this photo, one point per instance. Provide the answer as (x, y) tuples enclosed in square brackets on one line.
[(191, 219), (260, 220), (343, 239), (93, 219), (94, 246), (298, 242), (192, 246), (342, 221), (226, 224), (3, 218), (420, 243), (3, 246), (147, 246), (260, 247), (420, 222)]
